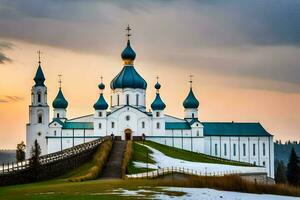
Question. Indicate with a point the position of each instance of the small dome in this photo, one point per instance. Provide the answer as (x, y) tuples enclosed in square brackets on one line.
[(128, 53), (157, 86), (191, 101), (101, 103), (39, 77), (60, 101), (128, 78), (101, 86), (158, 104)]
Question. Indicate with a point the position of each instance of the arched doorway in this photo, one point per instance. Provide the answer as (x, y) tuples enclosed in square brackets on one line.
[(128, 134)]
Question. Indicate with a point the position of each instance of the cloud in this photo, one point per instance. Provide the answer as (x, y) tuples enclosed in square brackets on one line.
[(4, 46), (251, 38), (8, 99)]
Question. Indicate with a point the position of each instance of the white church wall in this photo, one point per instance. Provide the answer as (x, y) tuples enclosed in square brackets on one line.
[(121, 94)]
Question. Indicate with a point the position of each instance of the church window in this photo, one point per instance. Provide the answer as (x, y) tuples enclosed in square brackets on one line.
[(39, 97), (137, 99), (127, 118), (143, 124), (264, 163), (253, 149), (244, 149), (225, 149), (39, 134), (198, 133), (216, 149), (158, 125), (264, 149), (40, 119), (193, 115), (112, 124), (118, 99), (157, 114), (127, 99), (57, 115), (55, 133), (234, 149), (100, 114), (100, 125)]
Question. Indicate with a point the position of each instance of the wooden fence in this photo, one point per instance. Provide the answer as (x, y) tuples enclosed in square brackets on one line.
[(181, 170), (50, 165)]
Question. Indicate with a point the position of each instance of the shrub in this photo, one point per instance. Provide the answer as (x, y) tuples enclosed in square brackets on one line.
[(99, 161)]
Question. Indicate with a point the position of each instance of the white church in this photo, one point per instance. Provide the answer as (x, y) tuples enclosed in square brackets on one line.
[(127, 118)]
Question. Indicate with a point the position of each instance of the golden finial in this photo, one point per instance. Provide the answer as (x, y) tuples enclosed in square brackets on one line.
[(59, 80), (128, 29), (191, 80)]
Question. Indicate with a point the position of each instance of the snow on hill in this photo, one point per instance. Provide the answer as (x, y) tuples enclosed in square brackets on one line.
[(165, 193), (163, 161)]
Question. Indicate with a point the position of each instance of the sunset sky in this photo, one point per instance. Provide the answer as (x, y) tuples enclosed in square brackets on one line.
[(244, 55)]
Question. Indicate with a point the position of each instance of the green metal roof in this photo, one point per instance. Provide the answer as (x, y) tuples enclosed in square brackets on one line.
[(158, 104), (39, 78), (58, 121), (191, 101), (78, 125), (60, 101), (177, 125), (101, 103), (233, 129)]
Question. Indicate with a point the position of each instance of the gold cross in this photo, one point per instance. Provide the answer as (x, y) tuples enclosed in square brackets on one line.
[(59, 80), (39, 56), (191, 80), (128, 29)]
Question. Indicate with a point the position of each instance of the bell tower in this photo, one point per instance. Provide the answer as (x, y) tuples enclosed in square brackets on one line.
[(37, 127)]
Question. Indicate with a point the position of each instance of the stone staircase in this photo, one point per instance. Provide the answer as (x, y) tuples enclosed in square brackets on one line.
[(112, 169)]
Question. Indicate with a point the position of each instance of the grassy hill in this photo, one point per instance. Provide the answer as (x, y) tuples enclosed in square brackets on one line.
[(191, 156)]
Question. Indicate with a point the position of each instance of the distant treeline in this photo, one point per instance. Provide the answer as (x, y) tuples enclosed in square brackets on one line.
[(7, 156)]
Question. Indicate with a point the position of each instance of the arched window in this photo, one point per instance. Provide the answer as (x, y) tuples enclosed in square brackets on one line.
[(127, 99), (234, 149), (137, 100), (244, 149), (39, 97), (264, 149), (216, 149), (253, 149), (143, 124), (40, 119), (112, 124), (225, 149), (193, 115), (100, 114), (157, 114), (100, 125), (118, 100), (158, 125)]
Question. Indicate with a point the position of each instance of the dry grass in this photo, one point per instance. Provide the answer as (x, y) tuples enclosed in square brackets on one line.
[(127, 157), (99, 161), (232, 183)]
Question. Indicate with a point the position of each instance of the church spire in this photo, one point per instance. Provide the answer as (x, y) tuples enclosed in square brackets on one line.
[(39, 78), (128, 55)]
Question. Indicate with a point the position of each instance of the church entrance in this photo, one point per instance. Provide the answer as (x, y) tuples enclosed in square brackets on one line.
[(128, 134)]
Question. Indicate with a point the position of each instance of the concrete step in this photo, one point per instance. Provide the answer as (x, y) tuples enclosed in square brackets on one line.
[(112, 169)]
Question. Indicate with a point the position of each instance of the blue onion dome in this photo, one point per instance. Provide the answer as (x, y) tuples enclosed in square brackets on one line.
[(101, 86), (60, 101), (101, 103), (128, 78), (191, 101), (39, 77), (157, 86), (128, 53), (158, 104)]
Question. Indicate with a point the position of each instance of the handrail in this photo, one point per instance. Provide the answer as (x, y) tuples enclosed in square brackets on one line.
[(182, 170), (53, 157)]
